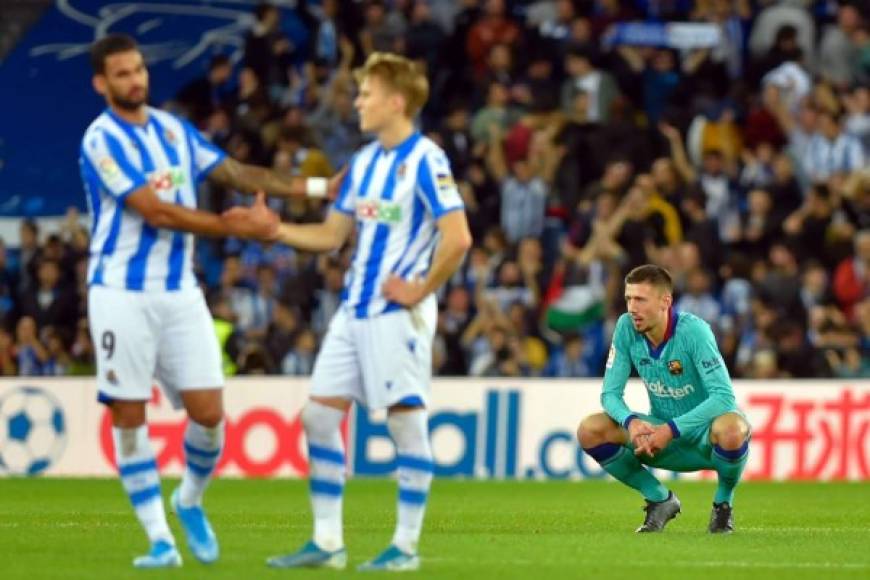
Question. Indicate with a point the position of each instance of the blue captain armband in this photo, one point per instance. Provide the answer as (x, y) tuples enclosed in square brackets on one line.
[(628, 421), (674, 430)]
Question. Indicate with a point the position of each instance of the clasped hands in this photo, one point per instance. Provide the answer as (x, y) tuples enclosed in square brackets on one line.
[(649, 439)]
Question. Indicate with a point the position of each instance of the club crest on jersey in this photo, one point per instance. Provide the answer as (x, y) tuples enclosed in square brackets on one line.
[(170, 137), (675, 367), (384, 212), (401, 170)]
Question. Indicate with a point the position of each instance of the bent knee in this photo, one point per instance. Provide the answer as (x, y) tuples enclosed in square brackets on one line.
[(595, 430), (210, 417), (730, 431)]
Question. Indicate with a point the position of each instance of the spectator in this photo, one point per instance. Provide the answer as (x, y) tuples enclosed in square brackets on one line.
[(491, 28), (299, 361), (382, 30), (597, 85), (424, 38), (453, 320), (82, 351), (570, 361), (267, 50), (47, 302), (524, 186), (284, 328), (31, 355), (759, 228), (660, 82), (698, 298), (8, 290), (796, 358), (496, 111), (455, 139), (830, 150), (852, 276), (8, 354), (808, 225), (299, 158), (325, 39), (328, 294), (837, 50), (781, 284), (59, 362), (201, 97), (28, 253)]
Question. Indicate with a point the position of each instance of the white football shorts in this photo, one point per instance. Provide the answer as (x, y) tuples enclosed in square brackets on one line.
[(142, 336), (378, 361)]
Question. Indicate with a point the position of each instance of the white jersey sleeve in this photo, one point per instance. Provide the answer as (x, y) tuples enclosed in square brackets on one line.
[(436, 186)]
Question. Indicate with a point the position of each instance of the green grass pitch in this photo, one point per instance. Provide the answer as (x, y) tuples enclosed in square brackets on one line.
[(78, 528)]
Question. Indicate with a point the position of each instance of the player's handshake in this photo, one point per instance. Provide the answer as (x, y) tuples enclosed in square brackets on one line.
[(257, 221)]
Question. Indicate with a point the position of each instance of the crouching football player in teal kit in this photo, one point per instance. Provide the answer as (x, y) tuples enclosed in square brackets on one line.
[(694, 422)]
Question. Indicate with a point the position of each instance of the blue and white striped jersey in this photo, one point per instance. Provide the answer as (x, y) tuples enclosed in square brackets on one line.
[(117, 158), (824, 158), (396, 197)]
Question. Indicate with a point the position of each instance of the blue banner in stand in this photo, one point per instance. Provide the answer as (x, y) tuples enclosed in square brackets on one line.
[(676, 35), (46, 97)]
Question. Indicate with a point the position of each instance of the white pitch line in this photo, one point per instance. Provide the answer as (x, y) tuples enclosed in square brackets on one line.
[(774, 529), (678, 563)]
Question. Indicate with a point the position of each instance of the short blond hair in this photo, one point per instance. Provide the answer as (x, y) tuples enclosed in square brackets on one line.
[(399, 73)]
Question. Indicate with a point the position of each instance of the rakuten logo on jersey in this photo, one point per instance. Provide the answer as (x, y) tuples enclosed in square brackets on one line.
[(660, 390)]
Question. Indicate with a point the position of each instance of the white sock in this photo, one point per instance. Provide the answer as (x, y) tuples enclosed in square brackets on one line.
[(410, 431), (202, 451), (326, 472), (141, 481)]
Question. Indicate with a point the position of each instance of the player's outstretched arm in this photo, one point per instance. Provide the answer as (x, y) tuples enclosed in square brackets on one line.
[(454, 243), (251, 179), (323, 237), (159, 214)]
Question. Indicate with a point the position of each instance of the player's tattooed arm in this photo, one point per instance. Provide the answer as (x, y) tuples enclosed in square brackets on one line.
[(251, 179)]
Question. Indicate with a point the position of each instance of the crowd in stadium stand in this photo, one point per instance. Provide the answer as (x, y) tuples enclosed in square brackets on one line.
[(580, 150)]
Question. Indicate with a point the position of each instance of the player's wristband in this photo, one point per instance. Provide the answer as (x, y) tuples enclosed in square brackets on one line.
[(674, 430), (316, 186), (628, 421)]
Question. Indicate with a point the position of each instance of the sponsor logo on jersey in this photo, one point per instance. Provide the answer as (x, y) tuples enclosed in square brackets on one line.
[(659, 389), (711, 364), (384, 212), (644, 362), (108, 168), (166, 179), (675, 367), (444, 181)]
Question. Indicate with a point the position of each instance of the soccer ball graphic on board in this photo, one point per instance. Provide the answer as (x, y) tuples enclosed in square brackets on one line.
[(32, 431)]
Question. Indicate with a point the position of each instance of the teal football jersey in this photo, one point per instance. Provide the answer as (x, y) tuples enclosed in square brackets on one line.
[(685, 377)]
